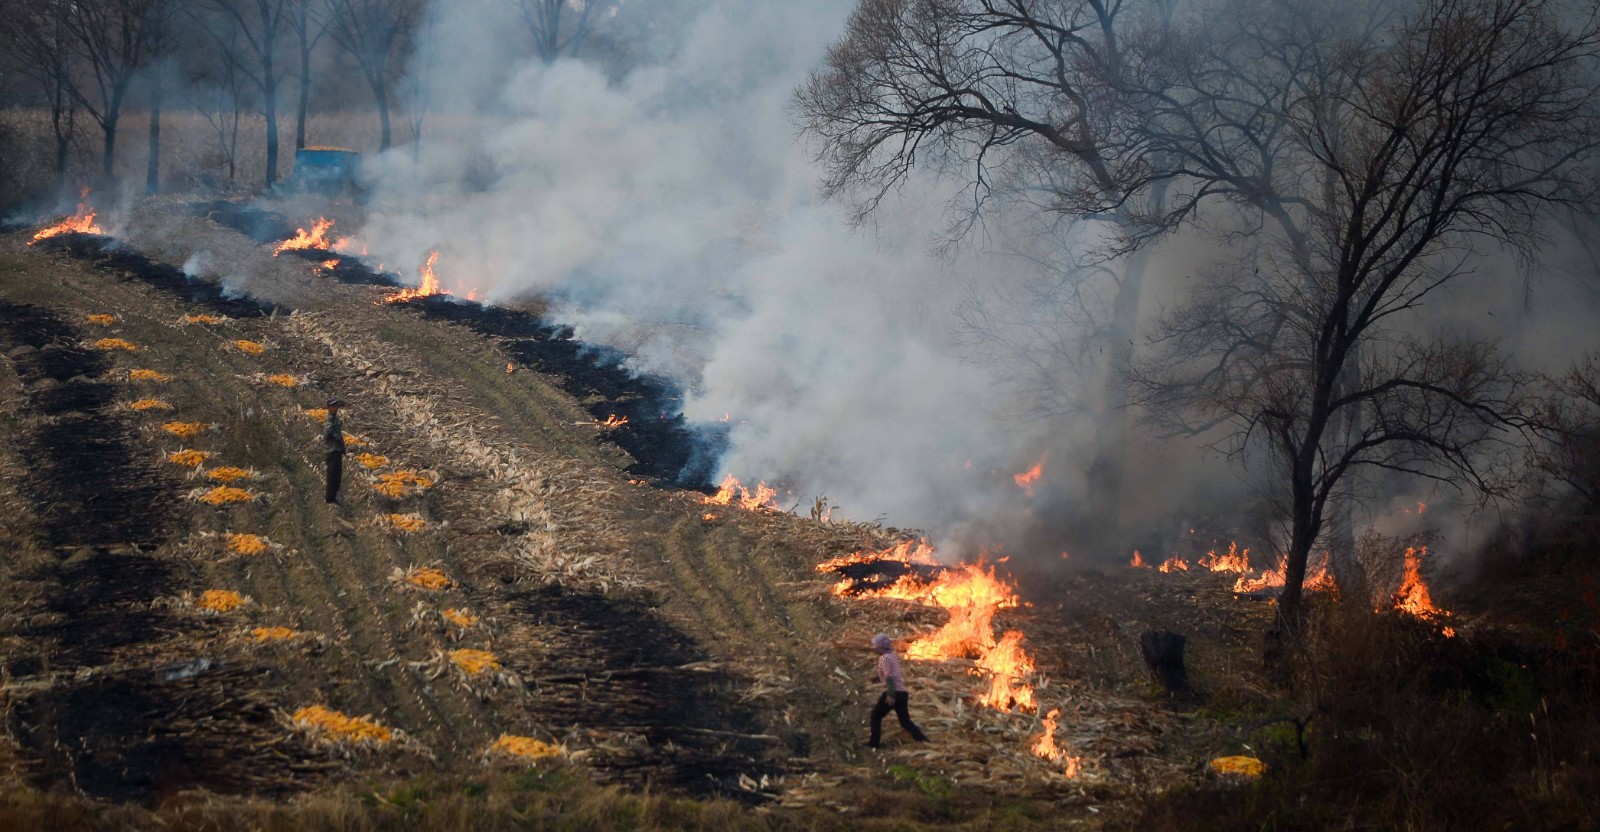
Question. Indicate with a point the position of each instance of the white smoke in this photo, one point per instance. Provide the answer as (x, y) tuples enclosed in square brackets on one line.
[(673, 212)]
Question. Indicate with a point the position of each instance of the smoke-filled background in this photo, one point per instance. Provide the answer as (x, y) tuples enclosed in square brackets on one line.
[(672, 210), (655, 187)]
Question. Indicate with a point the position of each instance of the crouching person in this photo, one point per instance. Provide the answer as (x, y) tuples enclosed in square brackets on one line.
[(894, 697)]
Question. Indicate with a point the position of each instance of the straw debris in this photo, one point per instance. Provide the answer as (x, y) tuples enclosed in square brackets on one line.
[(103, 320), (408, 523), (109, 344), (220, 600), (188, 457), (249, 347), (422, 577), (325, 725), (371, 460), (397, 484), (224, 495), (230, 473), (526, 748), (203, 319), (149, 404), (247, 544), (185, 430), (148, 375)]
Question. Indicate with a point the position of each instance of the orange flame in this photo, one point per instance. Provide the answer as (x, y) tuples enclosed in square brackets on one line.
[(733, 493), (1174, 564), (1138, 561), (1026, 479), (430, 283), (1234, 561), (81, 222), (1045, 746), (317, 238), (1413, 597), (1317, 579), (1008, 667)]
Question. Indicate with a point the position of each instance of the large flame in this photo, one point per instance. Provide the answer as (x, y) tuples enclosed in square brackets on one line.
[(430, 283), (81, 222), (1235, 560), (1413, 597), (733, 493), (1009, 668), (1026, 479)]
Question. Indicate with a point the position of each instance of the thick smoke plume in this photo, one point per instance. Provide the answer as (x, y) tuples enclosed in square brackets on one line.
[(672, 211)]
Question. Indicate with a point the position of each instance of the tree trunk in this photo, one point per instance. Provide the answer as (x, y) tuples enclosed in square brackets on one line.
[(305, 99), (108, 156), (270, 106), (382, 95), (62, 118), (1106, 470), (152, 171)]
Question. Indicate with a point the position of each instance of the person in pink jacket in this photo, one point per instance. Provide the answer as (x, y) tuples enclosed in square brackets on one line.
[(895, 695)]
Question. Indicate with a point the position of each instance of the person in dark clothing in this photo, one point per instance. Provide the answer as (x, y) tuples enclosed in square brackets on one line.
[(333, 442), (895, 697)]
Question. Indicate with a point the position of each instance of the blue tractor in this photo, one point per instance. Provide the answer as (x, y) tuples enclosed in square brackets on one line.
[(327, 170)]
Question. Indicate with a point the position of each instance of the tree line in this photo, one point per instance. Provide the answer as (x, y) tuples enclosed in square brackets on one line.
[(83, 60)]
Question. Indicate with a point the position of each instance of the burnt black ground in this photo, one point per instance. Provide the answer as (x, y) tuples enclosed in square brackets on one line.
[(623, 669), (106, 254), (86, 484)]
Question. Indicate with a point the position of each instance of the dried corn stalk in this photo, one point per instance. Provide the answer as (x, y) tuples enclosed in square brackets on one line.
[(148, 375), (188, 456), (422, 577), (220, 600), (409, 523), (185, 430), (264, 635), (323, 724), (247, 544), (230, 473), (249, 347), (475, 661), (371, 460), (103, 320), (397, 484), (283, 380), (460, 617), (109, 344), (224, 495), (203, 319), (526, 748), (149, 404)]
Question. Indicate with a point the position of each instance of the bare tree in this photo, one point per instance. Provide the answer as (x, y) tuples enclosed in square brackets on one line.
[(559, 27), (1021, 96), (310, 20), (34, 36), (1376, 154), (160, 37), (260, 26), (111, 37), (376, 33), (218, 89)]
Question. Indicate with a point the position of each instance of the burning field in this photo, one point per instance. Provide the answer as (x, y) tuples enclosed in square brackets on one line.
[(514, 587)]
